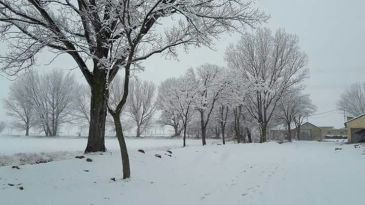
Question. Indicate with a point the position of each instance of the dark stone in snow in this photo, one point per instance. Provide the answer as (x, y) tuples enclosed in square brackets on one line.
[(41, 161), (113, 179), (21, 188), (11, 184), (157, 155), (89, 160), (168, 155), (337, 148), (79, 157), (141, 151), (169, 151), (85, 170), (357, 146), (15, 167)]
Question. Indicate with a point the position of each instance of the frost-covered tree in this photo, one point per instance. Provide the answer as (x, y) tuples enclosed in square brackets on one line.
[(177, 96), (352, 100), (19, 105), (303, 109), (270, 64), (106, 35), (52, 95), (211, 84), (289, 107), (167, 104), (141, 104)]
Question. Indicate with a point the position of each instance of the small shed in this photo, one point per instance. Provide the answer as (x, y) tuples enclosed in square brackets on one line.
[(356, 129), (308, 131)]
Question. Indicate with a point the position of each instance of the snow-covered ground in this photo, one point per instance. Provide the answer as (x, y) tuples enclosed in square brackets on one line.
[(299, 173)]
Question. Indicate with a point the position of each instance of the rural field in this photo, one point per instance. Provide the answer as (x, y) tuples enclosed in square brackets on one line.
[(269, 173)]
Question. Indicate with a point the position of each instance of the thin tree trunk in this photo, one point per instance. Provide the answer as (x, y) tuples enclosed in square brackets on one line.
[(184, 137), (98, 111), (223, 130), (249, 138), (289, 132), (237, 125), (122, 146), (203, 128)]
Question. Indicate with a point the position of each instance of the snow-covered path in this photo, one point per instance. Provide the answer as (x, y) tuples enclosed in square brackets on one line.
[(284, 174)]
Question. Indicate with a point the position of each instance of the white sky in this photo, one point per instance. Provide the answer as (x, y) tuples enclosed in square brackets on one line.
[(331, 32)]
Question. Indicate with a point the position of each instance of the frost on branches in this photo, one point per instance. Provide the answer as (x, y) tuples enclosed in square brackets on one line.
[(107, 35), (270, 64)]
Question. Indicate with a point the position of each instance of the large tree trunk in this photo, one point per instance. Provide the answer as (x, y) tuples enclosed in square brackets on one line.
[(263, 129), (122, 146), (98, 111), (138, 131), (27, 130)]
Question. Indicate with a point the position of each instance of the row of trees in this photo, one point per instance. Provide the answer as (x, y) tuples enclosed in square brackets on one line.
[(261, 88), (105, 36), (46, 102)]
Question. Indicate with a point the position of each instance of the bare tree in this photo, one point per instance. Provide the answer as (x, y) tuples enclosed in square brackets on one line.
[(52, 96), (303, 109), (141, 106), (19, 105), (104, 36), (270, 64), (288, 109), (352, 100)]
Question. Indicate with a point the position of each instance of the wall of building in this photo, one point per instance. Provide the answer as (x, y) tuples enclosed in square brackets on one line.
[(357, 123)]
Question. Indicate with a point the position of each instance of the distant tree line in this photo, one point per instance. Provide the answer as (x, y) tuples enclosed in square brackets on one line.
[(49, 101), (261, 88)]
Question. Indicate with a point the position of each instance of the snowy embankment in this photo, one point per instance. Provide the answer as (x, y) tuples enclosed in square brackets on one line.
[(298, 173)]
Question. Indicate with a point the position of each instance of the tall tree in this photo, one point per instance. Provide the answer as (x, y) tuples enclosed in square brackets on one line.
[(104, 36), (211, 84), (271, 64), (177, 96), (352, 100), (288, 108), (166, 103), (19, 105)]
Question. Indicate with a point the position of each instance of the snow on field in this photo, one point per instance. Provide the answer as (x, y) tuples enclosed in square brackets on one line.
[(285, 174), (20, 150)]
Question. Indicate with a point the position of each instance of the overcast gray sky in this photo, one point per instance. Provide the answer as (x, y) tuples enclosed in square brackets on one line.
[(331, 32)]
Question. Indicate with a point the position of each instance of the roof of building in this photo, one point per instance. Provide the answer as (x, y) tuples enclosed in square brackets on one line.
[(355, 118), (308, 123)]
